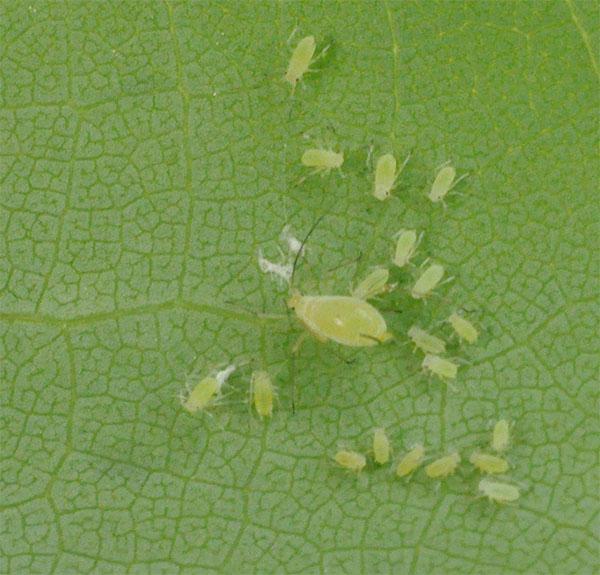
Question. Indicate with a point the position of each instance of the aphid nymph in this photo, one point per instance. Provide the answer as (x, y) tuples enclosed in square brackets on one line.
[(427, 281), (436, 365), (501, 436), (444, 182), (443, 466), (411, 461), (350, 460), (322, 161), (463, 328), (426, 342), (373, 285), (487, 463), (406, 246), (262, 393), (207, 392), (386, 176), (381, 446), (300, 61), (498, 492)]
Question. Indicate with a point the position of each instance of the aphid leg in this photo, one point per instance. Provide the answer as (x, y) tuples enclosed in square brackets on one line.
[(320, 55), (369, 160), (459, 180), (301, 339), (444, 164)]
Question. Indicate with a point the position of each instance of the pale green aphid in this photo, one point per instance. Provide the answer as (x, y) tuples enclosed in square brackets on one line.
[(499, 492), (350, 460), (487, 463), (386, 176), (406, 246), (300, 61), (501, 436), (206, 393), (443, 368), (443, 183), (443, 466), (381, 446), (373, 285), (410, 461), (426, 342), (262, 393), (322, 160), (346, 320), (463, 328), (428, 281)]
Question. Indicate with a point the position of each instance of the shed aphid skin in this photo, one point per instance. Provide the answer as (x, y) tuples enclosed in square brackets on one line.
[(386, 176), (427, 281), (444, 182), (463, 328), (443, 466), (321, 160), (411, 461), (262, 393), (293, 243), (350, 460), (436, 365), (498, 492), (300, 61), (501, 436), (373, 285), (406, 246), (282, 271), (207, 392), (426, 342), (487, 463), (381, 446)]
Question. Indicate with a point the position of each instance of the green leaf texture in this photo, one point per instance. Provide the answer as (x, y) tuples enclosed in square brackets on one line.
[(149, 149)]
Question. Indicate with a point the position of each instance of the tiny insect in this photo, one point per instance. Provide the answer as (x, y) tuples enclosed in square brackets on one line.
[(444, 182), (373, 285), (426, 342), (443, 466), (386, 176), (300, 61), (350, 460), (206, 393), (498, 492), (381, 446), (406, 246), (488, 463), (323, 161), (436, 365), (428, 281), (410, 461), (501, 436), (262, 393), (463, 328)]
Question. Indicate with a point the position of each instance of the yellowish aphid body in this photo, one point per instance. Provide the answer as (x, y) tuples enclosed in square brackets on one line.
[(346, 320), (428, 281), (373, 285), (426, 342), (350, 460), (443, 368), (501, 436), (385, 177), (499, 492), (262, 393), (443, 183), (463, 328), (207, 391), (322, 160), (300, 60), (381, 446), (443, 466), (406, 245), (410, 461), (487, 463)]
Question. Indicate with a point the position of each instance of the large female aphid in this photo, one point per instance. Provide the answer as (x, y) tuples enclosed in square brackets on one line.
[(207, 391), (386, 176), (444, 182)]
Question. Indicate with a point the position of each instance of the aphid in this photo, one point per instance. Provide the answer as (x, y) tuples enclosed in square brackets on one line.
[(498, 492), (428, 281), (463, 328), (386, 176), (410, 461), (206, 392), (350, 460), (381, 446), (300, 61), (488, 463), (406, 246), (443, 466), (346, 320), (444, 182), (436, 365), (262, 393), (501, 436), (322, 160), (373, 285), (426, 342)]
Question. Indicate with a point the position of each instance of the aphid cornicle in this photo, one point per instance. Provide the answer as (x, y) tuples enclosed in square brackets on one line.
[(443, 183), (322, 161), (501, 436), (443, 466), (207, 391), (300, 60), (499, 492), (262, 393), (427, 281), (373, 285), (410, 461), (426, 342), (386, 176), (381, 446), (406, 245), (350, 460), (443, 368), (487, 463), (463, 328)]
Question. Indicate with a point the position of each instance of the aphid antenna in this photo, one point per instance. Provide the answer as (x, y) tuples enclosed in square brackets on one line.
[(444, 164), (304, 241), (369, 160), (291, 36)]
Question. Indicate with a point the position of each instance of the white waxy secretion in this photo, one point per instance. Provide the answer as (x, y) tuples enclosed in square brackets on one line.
[(300, 61), (443, 466), (262, 393), (501, 436), (427, 281), (381, 446), (350, 460), (499, 492), (487, 463), (463, 328), (436, 365), (406, 246), (373, 285), (411, 461), (443, 183), (282, 271), (322, 161), (426, 342)]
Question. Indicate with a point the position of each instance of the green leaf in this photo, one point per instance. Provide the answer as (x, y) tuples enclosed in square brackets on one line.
[(149, 150)]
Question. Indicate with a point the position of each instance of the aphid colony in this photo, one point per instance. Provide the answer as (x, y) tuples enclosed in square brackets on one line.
[(496, 490)]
